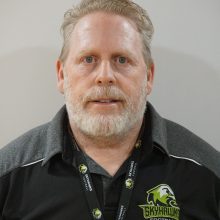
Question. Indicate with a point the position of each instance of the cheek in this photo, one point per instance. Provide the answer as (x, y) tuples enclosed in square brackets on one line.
[(79, 69), (84, 70), (133, 86), (73, 94), (137, 89), (70, 89), (131, 92), (72, 83)]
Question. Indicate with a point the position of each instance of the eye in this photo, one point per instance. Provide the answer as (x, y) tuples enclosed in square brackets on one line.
[(89, 59), (121, 60)]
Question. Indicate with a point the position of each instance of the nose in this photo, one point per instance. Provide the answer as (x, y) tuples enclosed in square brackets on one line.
[(105, 74)]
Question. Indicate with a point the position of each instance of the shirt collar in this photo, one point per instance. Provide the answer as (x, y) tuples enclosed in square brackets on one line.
[(159, 131), (57, 128), (54, 135)]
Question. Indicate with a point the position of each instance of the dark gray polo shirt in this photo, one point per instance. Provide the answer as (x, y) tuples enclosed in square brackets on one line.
[(178, 176)]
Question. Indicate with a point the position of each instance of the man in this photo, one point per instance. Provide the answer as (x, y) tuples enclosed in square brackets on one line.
[(107, 154)]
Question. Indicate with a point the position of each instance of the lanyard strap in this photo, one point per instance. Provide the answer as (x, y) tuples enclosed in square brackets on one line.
[(127, 188)]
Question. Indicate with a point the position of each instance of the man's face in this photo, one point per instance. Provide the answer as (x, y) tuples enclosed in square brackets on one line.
[(104, 78)]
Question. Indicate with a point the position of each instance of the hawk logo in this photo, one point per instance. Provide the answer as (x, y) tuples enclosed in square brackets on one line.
[(161, 195), (161, 204)]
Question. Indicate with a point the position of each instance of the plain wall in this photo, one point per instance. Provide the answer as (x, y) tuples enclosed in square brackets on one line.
[(185, 48)]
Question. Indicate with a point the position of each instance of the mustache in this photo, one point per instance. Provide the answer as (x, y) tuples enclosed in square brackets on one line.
[(110, 92)]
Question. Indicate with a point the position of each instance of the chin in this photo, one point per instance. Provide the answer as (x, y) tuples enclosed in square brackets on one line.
[(104, 125)]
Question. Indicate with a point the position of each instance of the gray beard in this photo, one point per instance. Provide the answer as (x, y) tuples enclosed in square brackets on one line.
[(105, 126)]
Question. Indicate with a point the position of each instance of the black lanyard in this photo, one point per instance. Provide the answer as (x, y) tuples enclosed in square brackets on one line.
[(128, 186)]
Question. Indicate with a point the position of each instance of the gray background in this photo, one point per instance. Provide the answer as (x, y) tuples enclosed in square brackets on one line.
[(185, 47)]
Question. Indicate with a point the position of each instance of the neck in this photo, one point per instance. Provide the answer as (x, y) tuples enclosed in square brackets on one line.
[(108, 152)]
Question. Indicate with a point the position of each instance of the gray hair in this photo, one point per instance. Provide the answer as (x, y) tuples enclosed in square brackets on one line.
[(125, 8)]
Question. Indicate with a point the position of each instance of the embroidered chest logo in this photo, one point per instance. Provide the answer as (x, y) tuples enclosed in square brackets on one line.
[(161, 204)]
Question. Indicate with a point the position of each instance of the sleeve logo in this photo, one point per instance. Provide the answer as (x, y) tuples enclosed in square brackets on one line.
[(161, 203)]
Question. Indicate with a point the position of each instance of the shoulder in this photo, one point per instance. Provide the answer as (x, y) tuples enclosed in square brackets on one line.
[(38, 144), (23, 150), (185, 144)]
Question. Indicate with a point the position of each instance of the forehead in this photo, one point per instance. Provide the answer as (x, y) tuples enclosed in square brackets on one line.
[(105, 31)]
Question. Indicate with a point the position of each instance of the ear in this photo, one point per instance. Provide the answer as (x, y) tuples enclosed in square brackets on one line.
[(150, 78), (60, 76)]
